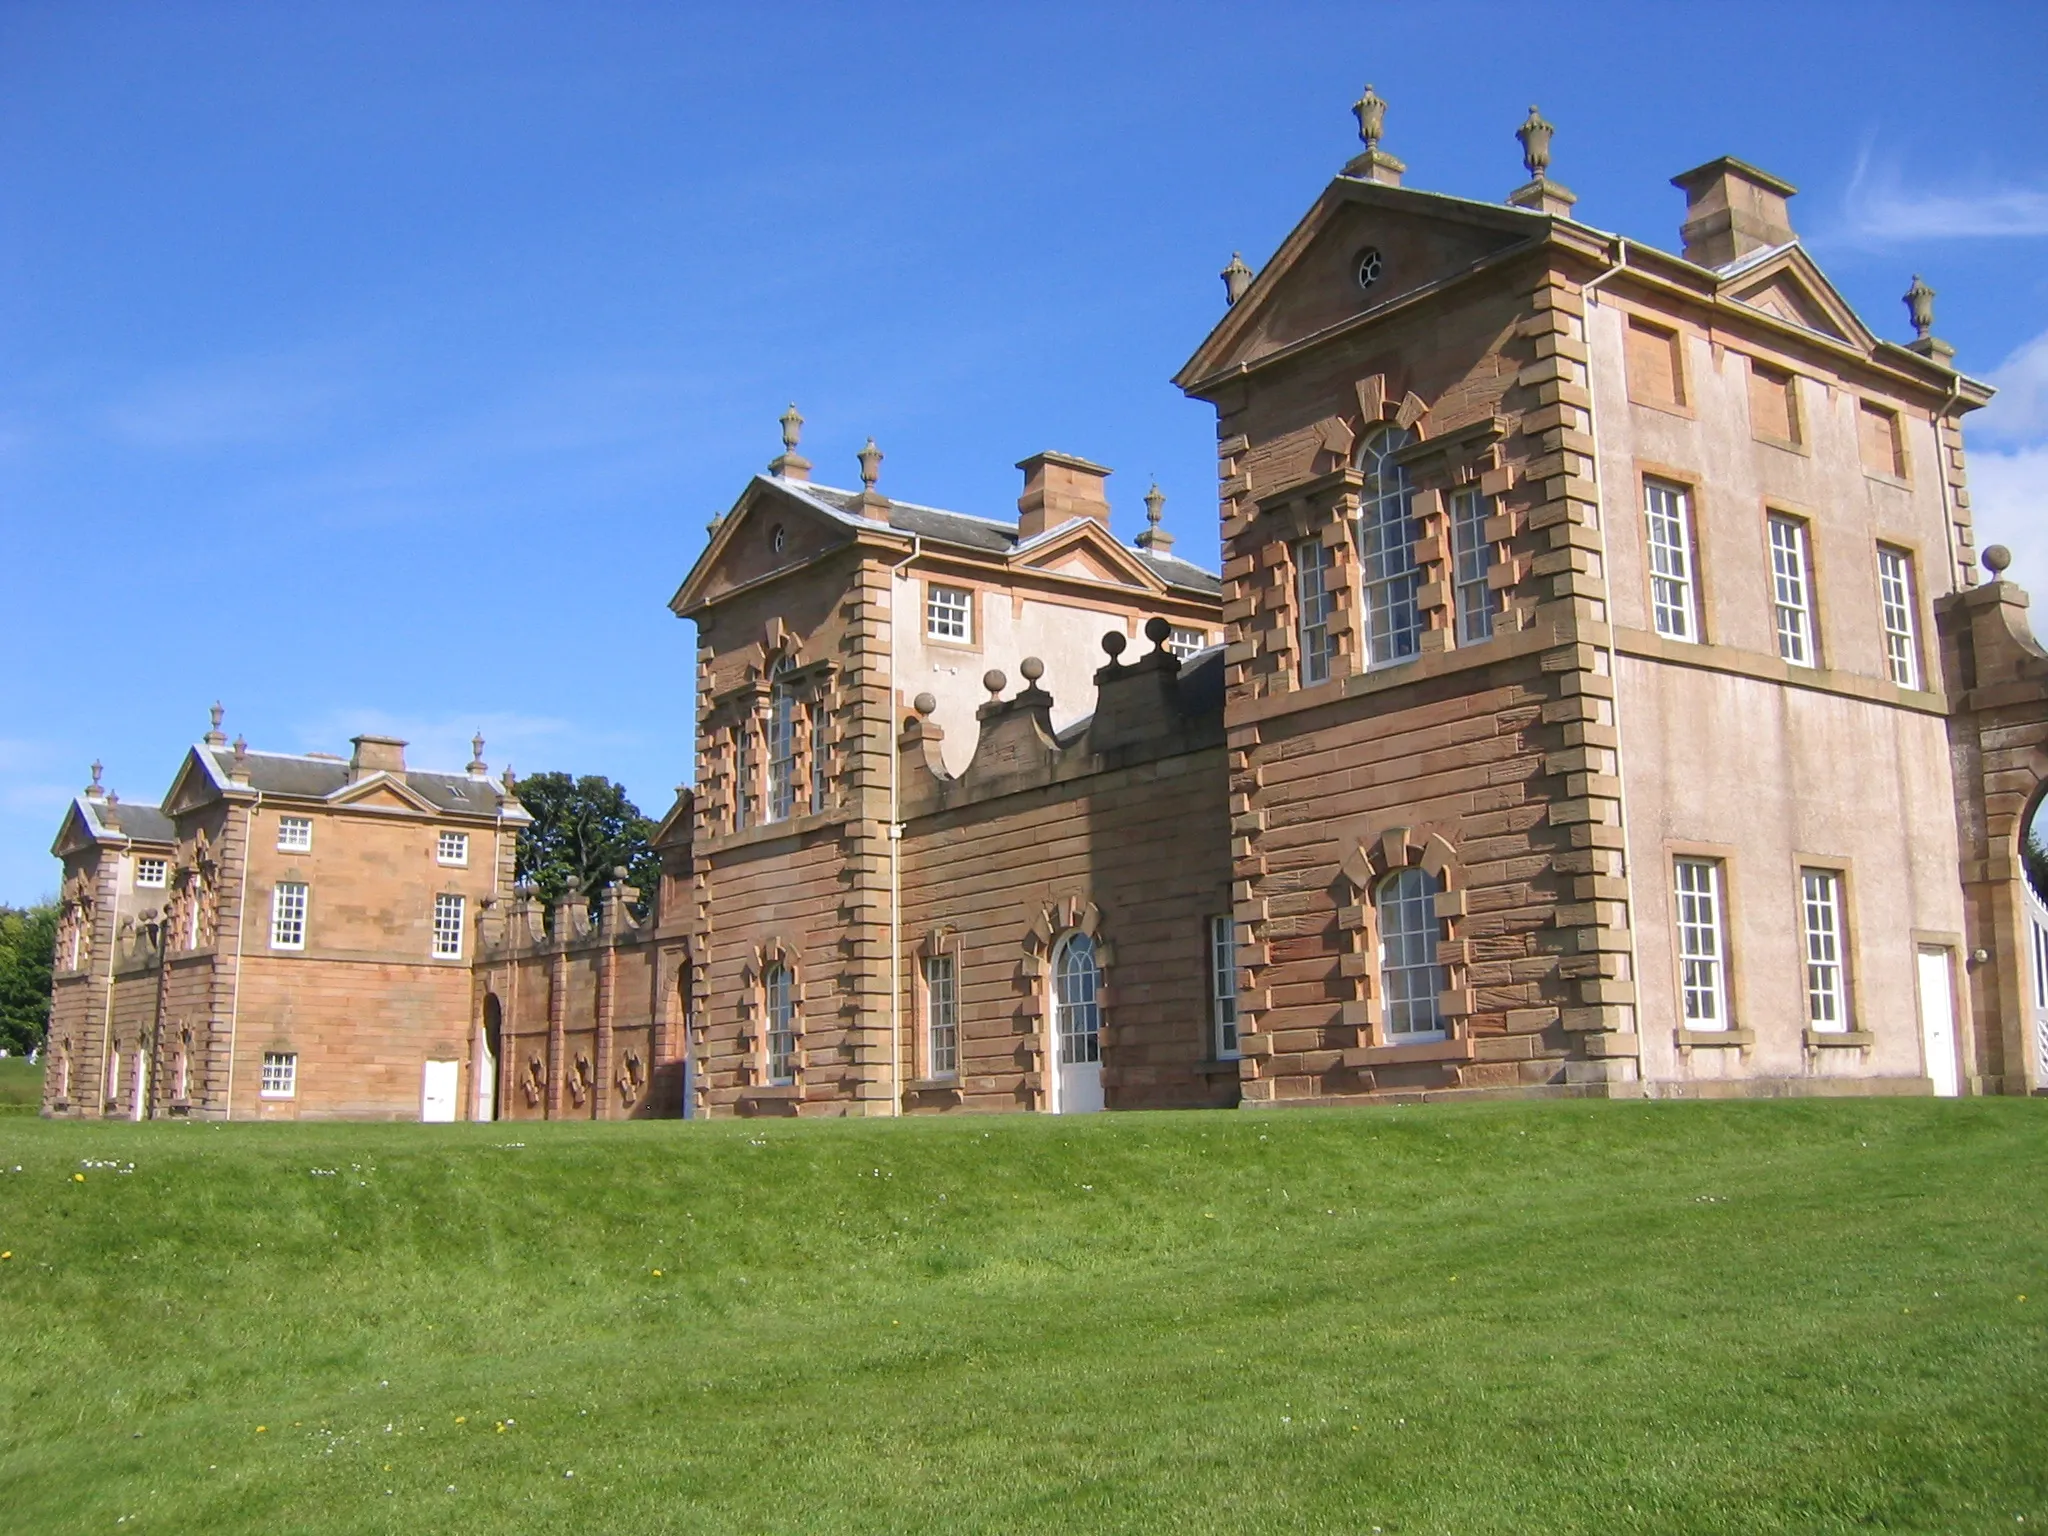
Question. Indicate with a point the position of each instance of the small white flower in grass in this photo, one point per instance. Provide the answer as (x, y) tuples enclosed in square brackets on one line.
[(568, 1474)]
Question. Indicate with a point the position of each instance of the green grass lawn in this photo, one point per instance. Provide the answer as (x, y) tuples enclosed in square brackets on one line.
[(21, 1085), (1795, 1316)]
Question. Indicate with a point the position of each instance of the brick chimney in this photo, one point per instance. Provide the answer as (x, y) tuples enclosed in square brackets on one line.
[(1732, 209), (375, 754), (1058, 486)]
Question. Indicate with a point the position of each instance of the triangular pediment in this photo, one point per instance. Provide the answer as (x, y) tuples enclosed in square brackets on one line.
[(76, 834), (1789, 287), (1085, 550), (196, 784), (746, 548), (381, 792), (1405, 241)]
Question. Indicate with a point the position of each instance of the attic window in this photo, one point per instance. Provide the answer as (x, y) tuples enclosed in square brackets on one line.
[(1366, 267), (777, 537)]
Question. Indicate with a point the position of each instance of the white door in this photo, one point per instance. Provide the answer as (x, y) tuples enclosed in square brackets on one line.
[(437, 1091), (141, 1104), (1938, 1022), (1077, 1027), (486, 1075)]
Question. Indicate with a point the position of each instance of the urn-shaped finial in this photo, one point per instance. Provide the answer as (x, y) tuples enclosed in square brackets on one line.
[(792, 427), (97, 790), (1919, 302), (1535, 136), (1236, 278), (870, 464), (1371, 112)]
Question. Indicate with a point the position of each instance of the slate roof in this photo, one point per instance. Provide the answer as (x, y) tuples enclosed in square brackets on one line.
[(143, 823), (315, 778)]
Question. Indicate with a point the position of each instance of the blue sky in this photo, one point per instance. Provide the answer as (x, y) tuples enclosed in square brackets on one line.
[(379, 367)]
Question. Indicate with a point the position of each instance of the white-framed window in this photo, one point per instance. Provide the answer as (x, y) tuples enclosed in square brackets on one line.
[(1186, 642), (152, 874), (1472, 555), (781, 744), (778, 994), (743, 774), (452, 848), (941, 1017), (288, 915), (949, 614), (449, 911), (1702, 948), (294, 834), (821, 752), (1313, 605), (113, 1077), (1667, 512), (1895, 602), (1792, 590), (1827, 991), (280, 1079), (1411, 981), (1223, 984), (1077, 1000), (1386, 552)]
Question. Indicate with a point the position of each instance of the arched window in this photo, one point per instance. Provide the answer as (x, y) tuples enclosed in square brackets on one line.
[(821, 750), (1077, 1008), (1386, 550), (781, 742), (778, 996), (1411, 981)]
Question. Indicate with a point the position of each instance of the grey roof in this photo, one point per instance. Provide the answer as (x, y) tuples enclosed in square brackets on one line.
[(315, 778), (984, 534), (143, 823)]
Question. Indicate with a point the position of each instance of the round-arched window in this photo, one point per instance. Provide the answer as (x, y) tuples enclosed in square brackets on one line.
[(1389, 578), (1077, 1006), (1410, 978)]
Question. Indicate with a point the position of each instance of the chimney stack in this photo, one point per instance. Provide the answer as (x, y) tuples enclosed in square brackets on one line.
[(1058, 486), (1732, 209), (375, 754)]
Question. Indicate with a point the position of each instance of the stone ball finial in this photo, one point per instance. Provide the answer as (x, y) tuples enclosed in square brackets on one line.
[(924, 704), (1996, 558), (1113, 644), (1535, 136), (619, 872), (1157, 630), (1919, 302), (1371, 112), (1032, 668), (994, 681), (870, 464)]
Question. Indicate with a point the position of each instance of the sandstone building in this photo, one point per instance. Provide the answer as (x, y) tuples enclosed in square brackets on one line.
[(1597, 697)]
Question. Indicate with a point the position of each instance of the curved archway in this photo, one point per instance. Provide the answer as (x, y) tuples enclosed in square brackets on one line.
[(484, 1068), (1077, 1024)]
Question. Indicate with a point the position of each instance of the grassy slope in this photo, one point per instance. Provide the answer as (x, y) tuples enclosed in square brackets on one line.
[(21, 1084), (1795, 1316)]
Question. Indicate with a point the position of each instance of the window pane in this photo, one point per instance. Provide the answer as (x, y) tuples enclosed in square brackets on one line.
[(280, 1078), (1821, 905), (1223, 983), (1313, 606), (781, 1009), (288, 916), (1186, 642), (1078, 1014), (1791, 591), (942, 1041), (781, 746), (1386, 552), (295, 833), (448, 914), (452, 848), (821, 750), (948, 614), (1410, 979), (1895, 601), (1698, 884), (1472, 553), (1670, 551)]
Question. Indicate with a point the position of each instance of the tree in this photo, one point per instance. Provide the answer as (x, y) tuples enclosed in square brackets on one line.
[(28, 947), (582, 830), (2034, 856)]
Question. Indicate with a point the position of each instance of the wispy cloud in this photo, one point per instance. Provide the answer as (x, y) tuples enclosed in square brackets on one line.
[(1878, 209), (2019, 413)]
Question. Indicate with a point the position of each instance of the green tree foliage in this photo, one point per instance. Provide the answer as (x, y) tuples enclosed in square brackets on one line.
[(582, 830), (2034, 854), (28, 945)]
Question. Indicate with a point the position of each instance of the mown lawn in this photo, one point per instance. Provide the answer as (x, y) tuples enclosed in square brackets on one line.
[(1799, 1316), (21, 1085)]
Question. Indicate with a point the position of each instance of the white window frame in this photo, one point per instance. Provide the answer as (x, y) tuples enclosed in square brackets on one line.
[(1792, 590), (1696, 886), (452, 849), (294, 834), (1667, 516), (778, 1025), (1313, 605), (742, 773), (821, 753), (941, 1015), (1411, 978), (949, 614), (290, 903), (1895, 599), (1077, 1000), (451, 918), (1825, 925), (1223, 986), (781, 744), (1472, 563), (279, 1075), (1183, 642), (1390, 582), (152, 873)]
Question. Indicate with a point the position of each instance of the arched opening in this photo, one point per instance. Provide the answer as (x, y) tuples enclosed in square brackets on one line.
[(1411, 980), (2034, 904), (1389, 579), (484, 1071), (1077, 1025)]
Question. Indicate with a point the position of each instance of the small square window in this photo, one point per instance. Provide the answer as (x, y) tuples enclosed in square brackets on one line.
[(152, 874), (294, 833), (452, 848), (448, 915), (1187, 642), (280, 1075), (949, 614)]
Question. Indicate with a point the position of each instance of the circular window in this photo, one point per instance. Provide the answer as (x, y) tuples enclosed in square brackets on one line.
[(1368, 266), (776, 538)]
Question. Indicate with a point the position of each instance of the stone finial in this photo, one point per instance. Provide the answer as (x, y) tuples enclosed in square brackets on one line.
[(1996, 558), (994, 682), (96, 790), (1919, 302), (871, 471), (1113, 644), (1158, 631), (924, 704), (477, 767), (789, 464), (1155, 539), (1374, 163), (1033, 669), (214, 738), (1236, 278), (508, 780), (238, 773), (1541, 195)]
